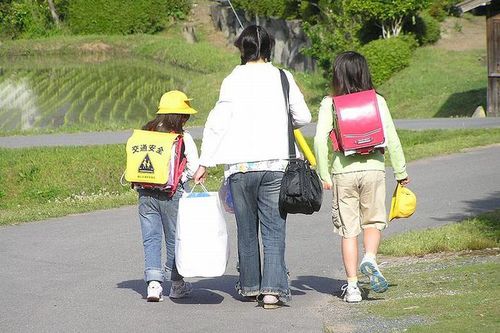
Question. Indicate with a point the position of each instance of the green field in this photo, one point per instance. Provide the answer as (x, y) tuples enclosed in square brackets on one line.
[(74, 85), (86, 83)]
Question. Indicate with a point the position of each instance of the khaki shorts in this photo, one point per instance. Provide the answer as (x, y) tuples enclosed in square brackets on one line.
[(358, 202)]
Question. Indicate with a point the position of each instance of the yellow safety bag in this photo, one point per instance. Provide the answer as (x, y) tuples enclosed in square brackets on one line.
[(148, 156), (403, 203)]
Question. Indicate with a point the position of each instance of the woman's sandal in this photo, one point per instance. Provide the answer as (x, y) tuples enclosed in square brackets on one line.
[(271, 302)]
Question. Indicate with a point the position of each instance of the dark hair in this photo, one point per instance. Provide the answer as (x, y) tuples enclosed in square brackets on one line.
[(350, 74), (171, 122), (254, 43)]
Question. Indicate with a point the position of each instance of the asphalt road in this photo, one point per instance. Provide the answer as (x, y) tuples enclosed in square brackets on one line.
[(83, 273), (115, 137)]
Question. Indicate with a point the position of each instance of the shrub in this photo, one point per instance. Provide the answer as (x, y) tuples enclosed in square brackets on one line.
[(24, 18), (123, 16), (427, 29), (387, 56), (270, 8), (439, 9)]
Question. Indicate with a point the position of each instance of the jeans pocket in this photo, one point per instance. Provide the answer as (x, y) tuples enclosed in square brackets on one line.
[(144, 204)]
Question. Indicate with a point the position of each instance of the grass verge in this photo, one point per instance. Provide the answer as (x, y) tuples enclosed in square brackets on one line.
[(37, 183), (458, 293), (476, 233), (449, 287)]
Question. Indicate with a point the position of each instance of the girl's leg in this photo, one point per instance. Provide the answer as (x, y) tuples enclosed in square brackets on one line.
[(169, 210), (374, 219), (151, 227), (372, 203), (350, 256), (371, 240)]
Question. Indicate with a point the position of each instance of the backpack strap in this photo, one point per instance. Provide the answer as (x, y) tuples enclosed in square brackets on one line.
[(179, 164)]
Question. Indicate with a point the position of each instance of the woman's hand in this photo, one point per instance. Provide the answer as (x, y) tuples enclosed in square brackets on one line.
[(404, 182), (200, 175), (326, 186)]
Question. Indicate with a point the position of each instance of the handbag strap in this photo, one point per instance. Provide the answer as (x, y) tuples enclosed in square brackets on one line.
[(286, 91)]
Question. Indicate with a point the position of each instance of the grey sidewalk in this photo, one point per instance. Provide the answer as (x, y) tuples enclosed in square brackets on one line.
[(83, 273), (109, 137)]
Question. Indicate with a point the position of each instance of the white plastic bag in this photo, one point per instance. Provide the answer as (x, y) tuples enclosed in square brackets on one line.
[(201, 242)]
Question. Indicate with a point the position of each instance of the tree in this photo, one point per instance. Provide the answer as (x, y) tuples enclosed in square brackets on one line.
[(388, 14), (53, 12), (334, 30)]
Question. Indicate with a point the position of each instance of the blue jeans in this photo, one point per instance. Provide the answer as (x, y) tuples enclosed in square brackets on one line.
[(158, 217), (255, 196)]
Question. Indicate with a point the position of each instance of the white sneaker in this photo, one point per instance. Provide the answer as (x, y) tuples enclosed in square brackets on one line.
[(180, 291), (351, 294), (154, 292), (378, 282)]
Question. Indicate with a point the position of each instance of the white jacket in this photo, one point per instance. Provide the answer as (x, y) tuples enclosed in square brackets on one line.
[(250, 122)]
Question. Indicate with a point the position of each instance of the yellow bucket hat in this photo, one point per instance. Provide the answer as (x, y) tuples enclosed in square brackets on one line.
[(403, 204), (175, 102)]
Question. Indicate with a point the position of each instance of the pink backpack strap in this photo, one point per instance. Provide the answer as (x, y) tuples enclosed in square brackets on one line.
[(179, 164)]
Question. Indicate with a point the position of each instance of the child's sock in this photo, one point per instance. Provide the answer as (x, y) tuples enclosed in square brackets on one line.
[(370, 256), (352, 281)]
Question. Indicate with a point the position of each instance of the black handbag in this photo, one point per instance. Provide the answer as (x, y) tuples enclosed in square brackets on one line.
[(301, 189)]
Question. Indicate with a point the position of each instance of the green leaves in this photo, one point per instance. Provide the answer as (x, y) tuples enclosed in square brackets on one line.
[(389, 14)]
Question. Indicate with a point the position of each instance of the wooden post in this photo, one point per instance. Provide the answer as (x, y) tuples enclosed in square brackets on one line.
[(493, 45)]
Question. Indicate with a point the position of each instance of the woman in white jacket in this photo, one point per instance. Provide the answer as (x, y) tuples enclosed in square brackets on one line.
[(247, 132)]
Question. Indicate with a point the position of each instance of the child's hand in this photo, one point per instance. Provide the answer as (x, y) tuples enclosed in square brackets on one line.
[(326, 186), (200, 175), (404, 182)]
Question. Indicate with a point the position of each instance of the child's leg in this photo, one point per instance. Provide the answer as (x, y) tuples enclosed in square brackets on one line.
[(372, 201), (151, 227), (350, 256), (372, 205), (169, 210), (371, 241), (346, 220)]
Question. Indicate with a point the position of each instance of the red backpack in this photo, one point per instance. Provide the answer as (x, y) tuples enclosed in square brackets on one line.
[(358, 126)]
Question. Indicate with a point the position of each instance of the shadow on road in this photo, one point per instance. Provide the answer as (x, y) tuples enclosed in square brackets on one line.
[(206, 291), (475, 207), (321, 284)]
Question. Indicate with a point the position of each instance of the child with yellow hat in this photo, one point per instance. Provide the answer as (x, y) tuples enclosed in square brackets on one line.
[(158, 208)]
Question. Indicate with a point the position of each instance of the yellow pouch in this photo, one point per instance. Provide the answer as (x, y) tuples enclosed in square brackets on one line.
[(148, 156), (403, 203)]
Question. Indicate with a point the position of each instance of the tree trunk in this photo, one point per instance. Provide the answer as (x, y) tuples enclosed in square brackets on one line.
[(53, 12)]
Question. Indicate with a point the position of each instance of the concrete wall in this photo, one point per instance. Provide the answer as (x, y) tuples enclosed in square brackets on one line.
[(289, 36)]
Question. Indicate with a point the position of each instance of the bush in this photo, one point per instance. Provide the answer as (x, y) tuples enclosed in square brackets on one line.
[(439, 9), (427, 29), (123, 16), (24, 18), (270, 8), (387, 56)]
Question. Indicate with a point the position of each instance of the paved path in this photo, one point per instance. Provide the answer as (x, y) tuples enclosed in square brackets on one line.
[(99, 138), (83, 273)]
